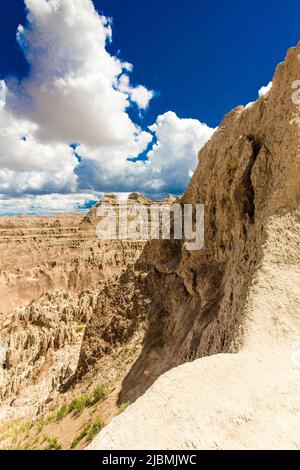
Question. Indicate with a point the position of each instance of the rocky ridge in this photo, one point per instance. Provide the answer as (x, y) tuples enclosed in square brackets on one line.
[(236, 301)]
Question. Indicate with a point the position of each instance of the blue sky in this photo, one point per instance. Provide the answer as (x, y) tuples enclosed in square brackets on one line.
[(205, 57), (200, 58)]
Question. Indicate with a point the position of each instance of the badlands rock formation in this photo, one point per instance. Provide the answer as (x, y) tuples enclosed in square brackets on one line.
[(77, 311), (55, 275), (237, 300), (51, 271), (40, 254)]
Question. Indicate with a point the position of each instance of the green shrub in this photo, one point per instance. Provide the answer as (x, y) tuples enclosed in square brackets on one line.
[(80, 403), (53, 443), (89, 432), (95, 428), (100, 393), (62, 412), (40, 425), (78, 439)]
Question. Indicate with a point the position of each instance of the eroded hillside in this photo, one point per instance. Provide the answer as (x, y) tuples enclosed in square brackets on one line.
[(126, 314), (240, 294)]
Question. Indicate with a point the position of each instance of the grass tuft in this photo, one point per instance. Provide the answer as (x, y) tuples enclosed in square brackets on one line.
[(79, 404), (88, 432), (83, 401), (100, 393), (62, 412), (53, 443)]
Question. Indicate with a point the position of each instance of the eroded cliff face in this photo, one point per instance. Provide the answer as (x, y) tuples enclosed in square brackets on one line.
[(41, 254), (41, 343), (240, 294), (248, 179)]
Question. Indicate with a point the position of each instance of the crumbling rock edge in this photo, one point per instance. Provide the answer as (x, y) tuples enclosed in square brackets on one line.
[(240, 295)]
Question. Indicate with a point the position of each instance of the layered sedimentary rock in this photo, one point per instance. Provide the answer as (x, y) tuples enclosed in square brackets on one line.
[(40, 254), (56, 274), (238, 295), (52, 269)]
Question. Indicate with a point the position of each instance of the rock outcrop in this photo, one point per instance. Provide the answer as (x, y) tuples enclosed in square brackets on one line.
[(42, 343), (239, 295)]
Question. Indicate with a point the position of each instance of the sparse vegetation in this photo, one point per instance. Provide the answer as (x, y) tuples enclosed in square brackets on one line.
[(62, 412), (16, 436), (95, 428), (100, 393), (79, 438), (89, 432), (40, 425), (83, 401), (79, 404), (53, 443)]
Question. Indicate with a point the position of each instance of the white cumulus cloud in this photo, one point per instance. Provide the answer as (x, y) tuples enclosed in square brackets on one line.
[(264, 89), (173, 157), (169, 163), (261, 92), (76, 92), (73, 91), (28, 165), (46, 204)]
